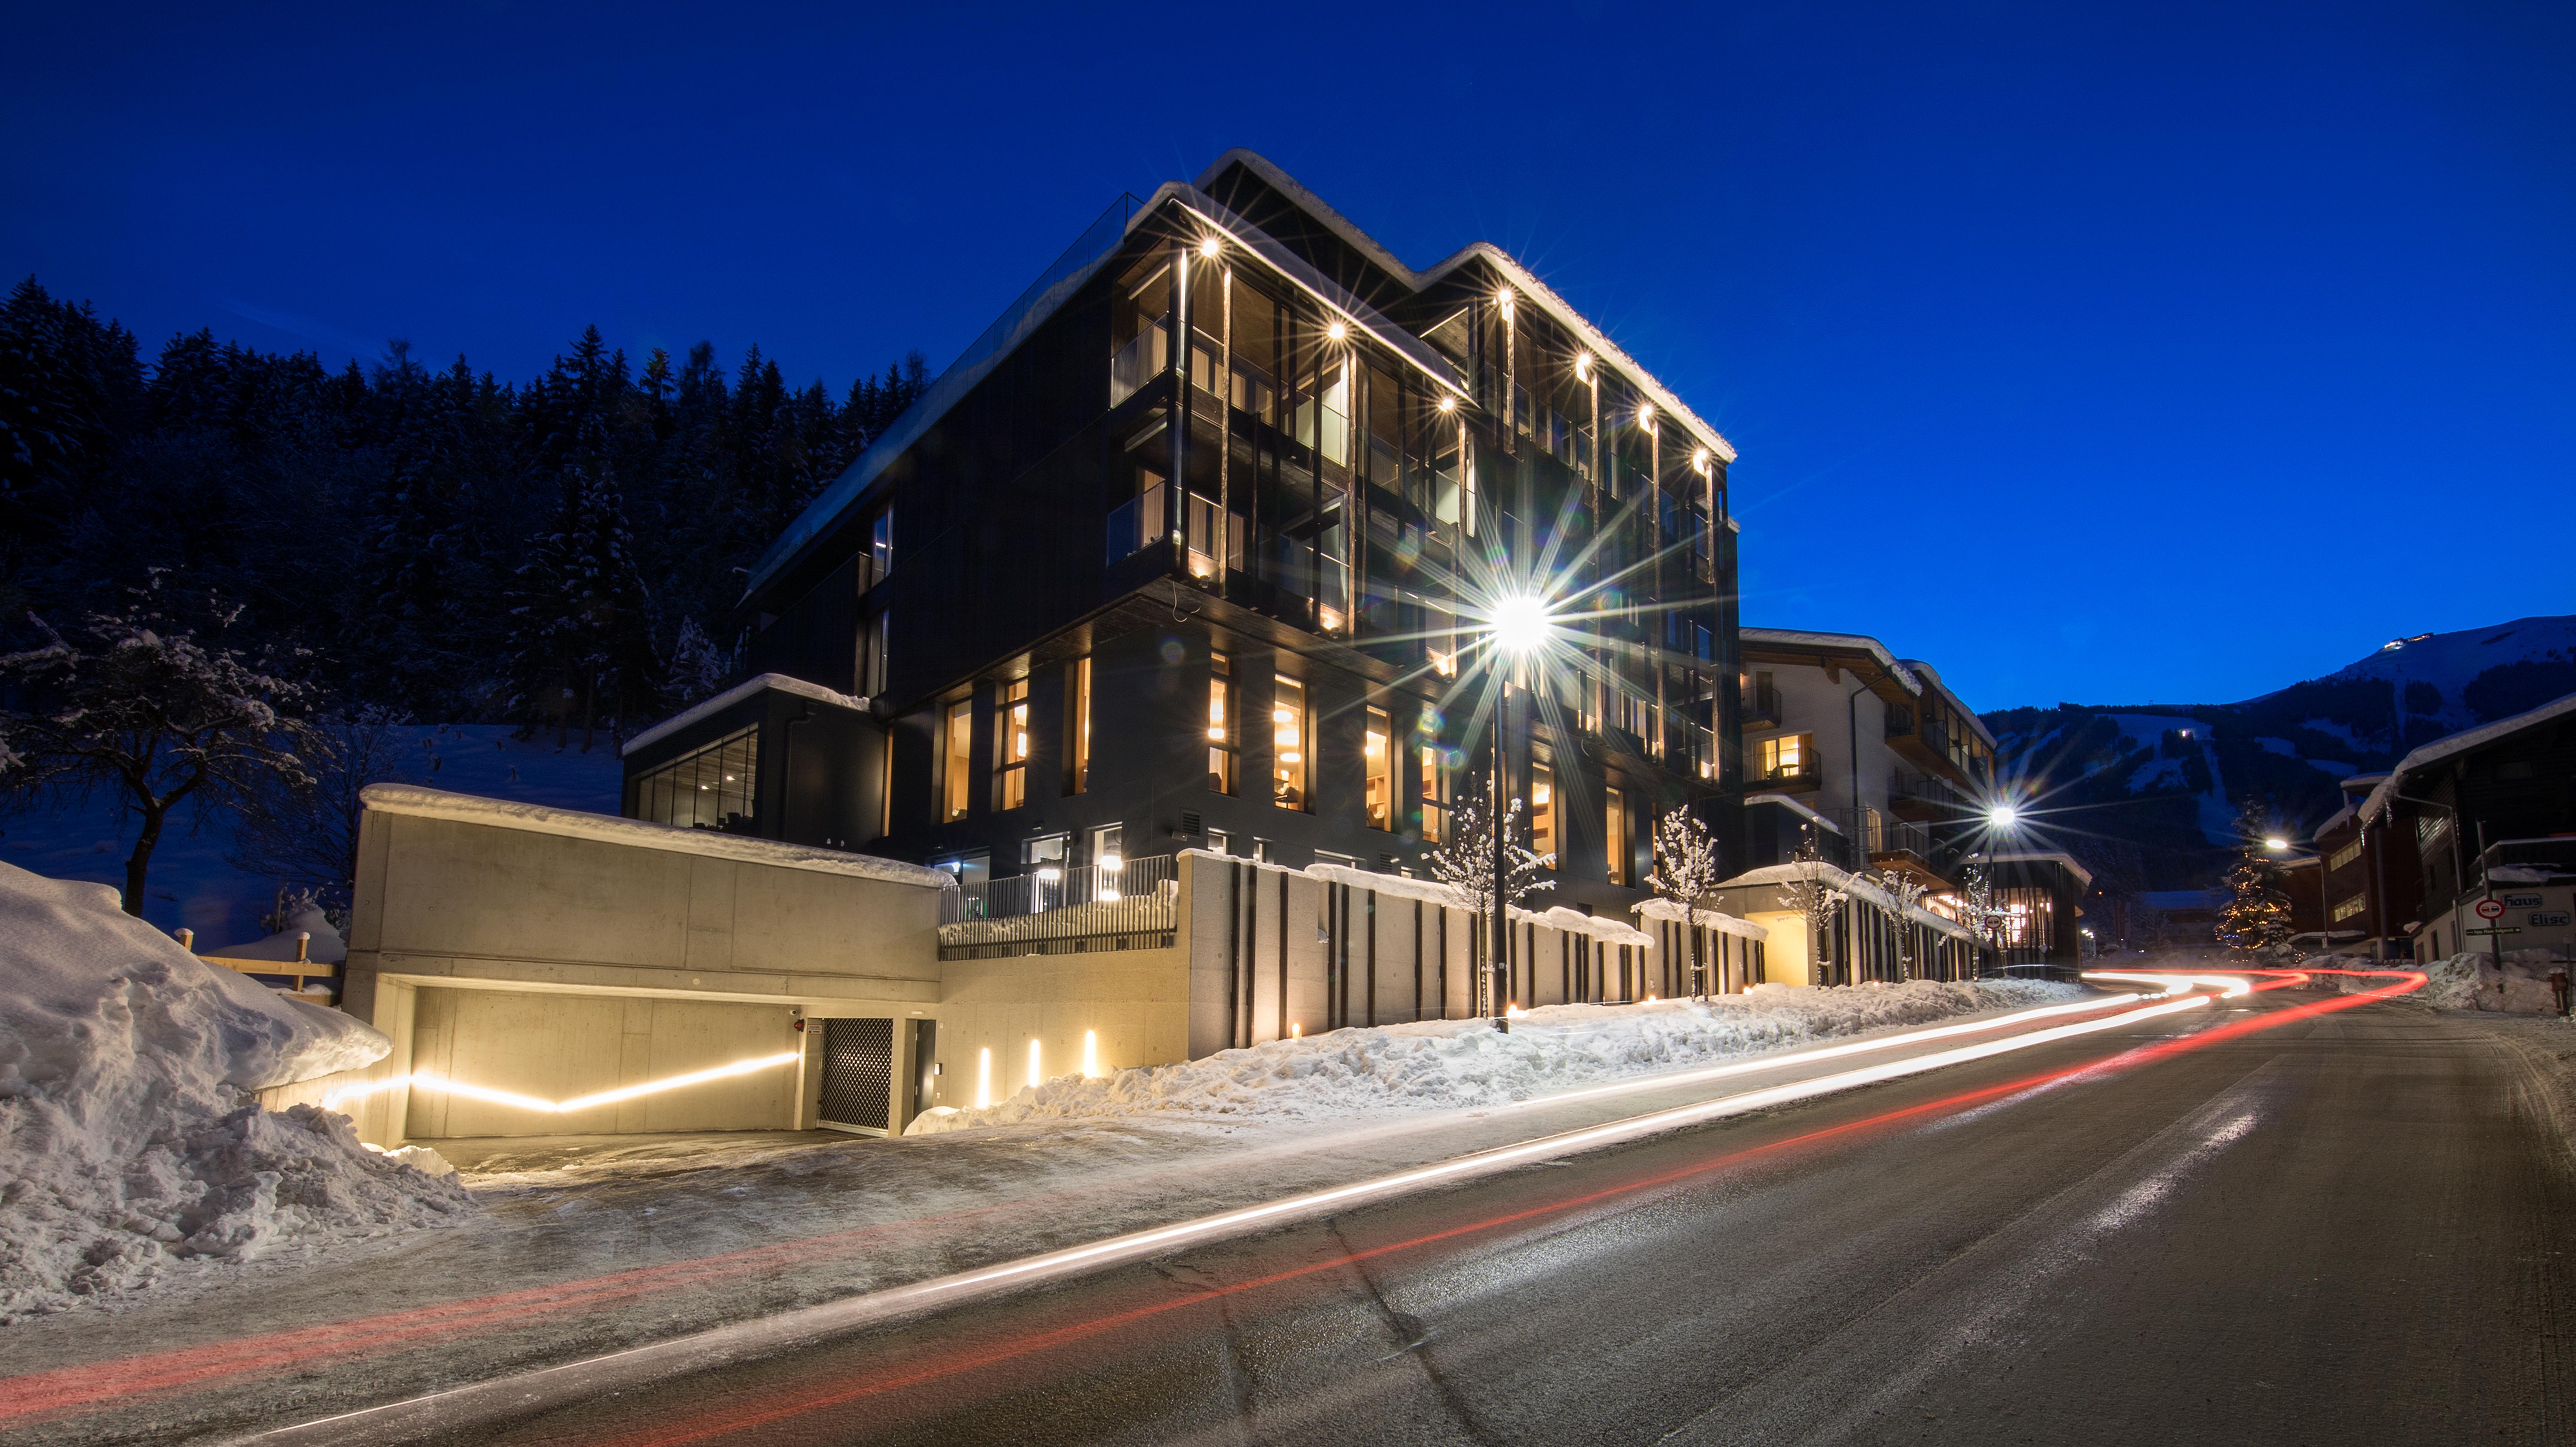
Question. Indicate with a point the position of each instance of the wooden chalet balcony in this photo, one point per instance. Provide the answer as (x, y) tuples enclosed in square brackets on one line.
[(1925, 798)]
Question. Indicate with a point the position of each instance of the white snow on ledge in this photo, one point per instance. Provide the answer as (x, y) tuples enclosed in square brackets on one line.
[(1431, 891), (1665, 909), (734, 695), (640, 834)]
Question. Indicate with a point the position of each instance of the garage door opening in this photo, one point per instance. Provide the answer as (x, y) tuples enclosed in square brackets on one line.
[(858, 1076)]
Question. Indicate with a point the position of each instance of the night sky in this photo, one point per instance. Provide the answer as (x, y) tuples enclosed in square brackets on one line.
[(2167, 352)]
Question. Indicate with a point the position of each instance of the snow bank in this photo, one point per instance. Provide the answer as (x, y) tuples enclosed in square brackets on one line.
[(128, 1142), (1450, 1064), (2469, 981)]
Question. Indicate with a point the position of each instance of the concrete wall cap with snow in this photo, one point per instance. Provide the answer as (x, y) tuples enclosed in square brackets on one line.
[(1665, 909), (778, 682), (423, 803), (1432, 891)]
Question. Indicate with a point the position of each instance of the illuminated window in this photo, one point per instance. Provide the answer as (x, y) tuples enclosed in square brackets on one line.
[(1220, 725), (1542, 811), (960, 753), (1077, 725), (2344, 856), (1789, 756), (1289, 728), (709, 788), (1011, 745), (1615, 832), (2350, 907), (1435, 794), (1379, 753)]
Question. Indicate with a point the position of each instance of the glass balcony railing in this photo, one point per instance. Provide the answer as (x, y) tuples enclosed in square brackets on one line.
[(1143, 358)]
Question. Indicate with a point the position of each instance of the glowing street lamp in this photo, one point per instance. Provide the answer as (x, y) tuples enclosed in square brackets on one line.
[(2276, 845), (2003, 816), (1518, 623)]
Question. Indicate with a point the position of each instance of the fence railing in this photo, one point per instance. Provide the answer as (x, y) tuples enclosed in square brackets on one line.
[(1132, 904)]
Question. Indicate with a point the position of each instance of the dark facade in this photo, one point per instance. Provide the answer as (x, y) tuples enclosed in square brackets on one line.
[(2480, 808), (2372, 886), (1197, 546)]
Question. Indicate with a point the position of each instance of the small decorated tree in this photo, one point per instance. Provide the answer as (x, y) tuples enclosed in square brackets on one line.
[(1686, 872), (1908, 893), (1464, 864), (1814, 899), (1985, 922)]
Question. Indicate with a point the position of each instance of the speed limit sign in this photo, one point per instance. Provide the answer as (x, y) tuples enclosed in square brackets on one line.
[(2490, 909)]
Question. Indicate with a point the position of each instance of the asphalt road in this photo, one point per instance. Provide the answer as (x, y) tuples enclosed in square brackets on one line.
[(2348, 1228)]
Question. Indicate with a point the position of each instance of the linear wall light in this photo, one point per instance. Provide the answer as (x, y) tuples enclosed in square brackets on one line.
[(429, 1080)]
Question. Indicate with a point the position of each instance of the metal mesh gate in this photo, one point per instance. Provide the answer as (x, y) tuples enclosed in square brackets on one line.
[(858, 1074)]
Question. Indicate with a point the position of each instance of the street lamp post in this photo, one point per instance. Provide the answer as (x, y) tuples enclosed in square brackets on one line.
[(1518, 624)]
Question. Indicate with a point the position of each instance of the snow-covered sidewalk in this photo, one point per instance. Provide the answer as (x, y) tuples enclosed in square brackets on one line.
[(1461, 1064)]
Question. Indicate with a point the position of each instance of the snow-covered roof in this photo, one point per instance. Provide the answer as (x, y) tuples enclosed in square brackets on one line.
[(2083, 876), (1527, 282), (2335, 820), (1857, 888), (1932, 679), (1794, 807), (736, 694), (1665, 909), (1083, 259), (423, 803), (2457, 744), (1835, 642), (2522, 874)]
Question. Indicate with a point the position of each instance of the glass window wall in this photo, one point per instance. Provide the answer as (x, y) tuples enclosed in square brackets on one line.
[(711, 788)]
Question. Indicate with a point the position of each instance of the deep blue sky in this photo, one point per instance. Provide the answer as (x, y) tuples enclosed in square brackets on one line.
[(2160, 352)]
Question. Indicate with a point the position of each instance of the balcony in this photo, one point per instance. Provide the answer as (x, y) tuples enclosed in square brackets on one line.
[(1762, 706), (1896, 844), (1143, 358), (1132, 904), (1786, 778), (1925, 798)]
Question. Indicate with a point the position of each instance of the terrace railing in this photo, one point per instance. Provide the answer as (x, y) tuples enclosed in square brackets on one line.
[(1131, 905)]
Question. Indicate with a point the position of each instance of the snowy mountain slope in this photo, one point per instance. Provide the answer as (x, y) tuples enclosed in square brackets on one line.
[(2150, 795), (193, 884)]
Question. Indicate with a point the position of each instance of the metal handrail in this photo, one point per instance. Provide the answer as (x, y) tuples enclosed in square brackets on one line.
[(1129, 897)]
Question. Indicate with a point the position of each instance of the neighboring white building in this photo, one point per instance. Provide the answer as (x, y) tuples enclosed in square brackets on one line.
[(1877, 747)]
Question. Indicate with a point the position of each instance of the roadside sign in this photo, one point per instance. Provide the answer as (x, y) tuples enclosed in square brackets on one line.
[(2543, 918), (2497, 929), (2522, 901), (2490, 909)]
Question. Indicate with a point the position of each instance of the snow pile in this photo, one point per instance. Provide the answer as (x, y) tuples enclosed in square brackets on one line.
[(128, 1141), (2468, 981), (1451, 1064)]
